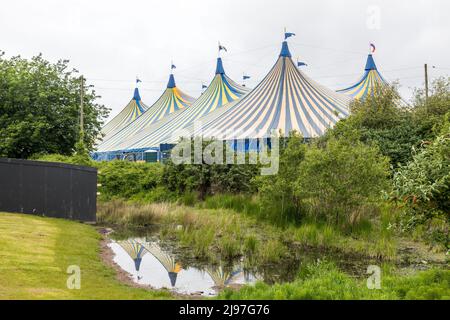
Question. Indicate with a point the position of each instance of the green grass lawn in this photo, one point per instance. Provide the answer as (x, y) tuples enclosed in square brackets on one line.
[(35, 253)]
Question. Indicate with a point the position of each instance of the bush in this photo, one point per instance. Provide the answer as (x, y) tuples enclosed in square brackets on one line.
[(279, 202), (423, 186), (126, 179), (206, 179), (339, 181)]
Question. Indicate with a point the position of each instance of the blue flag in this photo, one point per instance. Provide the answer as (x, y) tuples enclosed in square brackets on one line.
[(299, 64), (288, 34), (245, 77)]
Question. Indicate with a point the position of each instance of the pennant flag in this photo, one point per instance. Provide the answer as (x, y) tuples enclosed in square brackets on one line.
[(288, 34), (245, 77), (173, 66), (137, 80), (222, 48), (300, 63), (204, 86), (372, 48)]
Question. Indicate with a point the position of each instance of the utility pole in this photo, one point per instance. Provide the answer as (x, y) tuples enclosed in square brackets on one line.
[(81, 107), (426, 82)]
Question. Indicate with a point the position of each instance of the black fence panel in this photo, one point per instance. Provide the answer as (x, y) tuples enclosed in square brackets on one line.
[(48, 189)]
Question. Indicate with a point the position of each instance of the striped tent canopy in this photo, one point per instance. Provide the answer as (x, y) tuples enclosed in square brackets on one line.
[(221, 91), (171, 101), (135, 250), (133, 110), (369, 82), (285, 100), (168, 262), (222, 277)]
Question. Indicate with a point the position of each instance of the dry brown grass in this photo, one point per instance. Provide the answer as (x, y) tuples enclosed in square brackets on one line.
[(125, 213)]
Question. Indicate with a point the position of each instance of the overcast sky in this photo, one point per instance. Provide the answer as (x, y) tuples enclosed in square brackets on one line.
[(112, 42)]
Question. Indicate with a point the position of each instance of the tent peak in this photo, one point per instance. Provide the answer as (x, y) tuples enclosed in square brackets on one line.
[(219, 68), (370, 64), (285, 50), (171, 83), (136, 95)]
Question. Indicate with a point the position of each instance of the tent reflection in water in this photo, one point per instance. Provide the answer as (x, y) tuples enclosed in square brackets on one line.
[(168, 262), (223, 277), (135, 250)]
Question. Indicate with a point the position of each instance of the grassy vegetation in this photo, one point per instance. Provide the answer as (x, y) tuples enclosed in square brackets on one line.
[(36, 252), (325, 281), (223, 233)]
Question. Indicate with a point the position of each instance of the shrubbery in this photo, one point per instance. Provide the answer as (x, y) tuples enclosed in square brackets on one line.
[(206, 179), (423, 187), (342, 181)]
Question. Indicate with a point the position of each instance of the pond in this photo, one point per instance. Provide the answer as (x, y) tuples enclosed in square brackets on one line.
[(161, 264), (150, 264)]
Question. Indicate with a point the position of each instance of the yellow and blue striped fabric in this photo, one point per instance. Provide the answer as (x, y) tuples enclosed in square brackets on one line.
[(167, 261), (369, 82), (171, 101), (221, 91), (285, 100), (133, 110), (135, 250)]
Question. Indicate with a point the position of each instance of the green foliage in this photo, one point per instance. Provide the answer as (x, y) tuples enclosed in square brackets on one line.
[(241, 203), (127, 179), (39, 108), (338, 182), (206, 179), (396, 130), (423, 185), (277, 192), (141, 182), (323, 281)]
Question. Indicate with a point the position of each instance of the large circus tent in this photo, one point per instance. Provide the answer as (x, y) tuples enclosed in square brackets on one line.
[(135, 137), (285, 100)]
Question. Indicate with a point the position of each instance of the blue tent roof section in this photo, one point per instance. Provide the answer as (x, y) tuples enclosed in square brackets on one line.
[(219, 67), (285, 100), (136, 95), (368, 83), (171, 83), (285, 50), (370, 64)]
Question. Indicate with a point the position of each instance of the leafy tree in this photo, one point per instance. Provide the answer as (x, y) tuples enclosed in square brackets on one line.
[(39, 108)]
